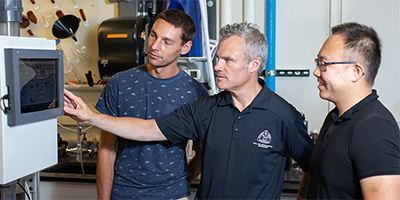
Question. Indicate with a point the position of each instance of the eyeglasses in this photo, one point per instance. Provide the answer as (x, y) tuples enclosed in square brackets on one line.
[(322, 64)]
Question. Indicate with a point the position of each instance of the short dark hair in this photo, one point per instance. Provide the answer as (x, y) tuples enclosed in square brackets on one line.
[(179, 19), (362, 44)]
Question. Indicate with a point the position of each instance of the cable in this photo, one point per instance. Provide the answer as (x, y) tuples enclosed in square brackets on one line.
[(6, 108), (73, 130), (19, 184)]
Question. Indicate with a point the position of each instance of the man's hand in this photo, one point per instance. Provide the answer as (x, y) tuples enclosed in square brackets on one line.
[(75, 108), (126, 127)]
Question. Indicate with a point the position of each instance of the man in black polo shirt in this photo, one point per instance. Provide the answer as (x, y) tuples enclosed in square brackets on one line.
[(245, 132), (357, 152)]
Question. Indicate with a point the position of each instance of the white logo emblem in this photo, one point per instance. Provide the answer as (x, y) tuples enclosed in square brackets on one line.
[(264, 139)]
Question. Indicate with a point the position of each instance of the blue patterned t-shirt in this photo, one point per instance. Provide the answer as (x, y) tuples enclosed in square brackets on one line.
[(148, 170)]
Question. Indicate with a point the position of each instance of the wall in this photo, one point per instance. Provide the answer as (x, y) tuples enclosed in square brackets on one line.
[(95, 11), (387, 25), (302, 26)]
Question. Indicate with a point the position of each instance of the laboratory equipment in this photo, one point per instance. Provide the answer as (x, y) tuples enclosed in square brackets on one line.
[(55, 5), (77, 60), (46, 24), (34, 80), (75, 4), (30, 32), (38, 138), (65, 27), (121, 44), (49, 15), (86, 23), (34, 4), (25, 22), (71, 74), (83, 52), (59, 13), (58, 45), (33, 18)]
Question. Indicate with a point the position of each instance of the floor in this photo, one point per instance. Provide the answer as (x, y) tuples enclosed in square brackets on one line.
[(63, 190)]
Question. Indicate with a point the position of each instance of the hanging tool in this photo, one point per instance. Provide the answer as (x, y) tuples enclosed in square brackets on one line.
[(66, 27), (77, 60), (89, 78), (82, 51), (86, 23), (34, 4), (55, 5), (30, 32), (59, 13), (46, 24), (33, 18), (25, 22), (49, 15), (58, 45), (75, 4)]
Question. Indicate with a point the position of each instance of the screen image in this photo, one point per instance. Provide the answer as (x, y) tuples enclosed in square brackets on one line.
[(37, 81)]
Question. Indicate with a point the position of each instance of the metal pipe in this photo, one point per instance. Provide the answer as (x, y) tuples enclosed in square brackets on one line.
[(204, 20), (10, 16), (271, 32)]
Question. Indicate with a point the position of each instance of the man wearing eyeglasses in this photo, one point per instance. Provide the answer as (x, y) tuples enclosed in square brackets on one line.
[(245, 131), (357, 153)]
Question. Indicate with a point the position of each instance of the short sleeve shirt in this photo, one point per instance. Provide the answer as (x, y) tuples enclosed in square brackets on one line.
[(361, 143), (243, 153), (150, 170)]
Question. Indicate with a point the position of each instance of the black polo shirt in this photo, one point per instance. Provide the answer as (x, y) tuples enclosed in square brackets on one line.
[(361, 143), (243, 153)]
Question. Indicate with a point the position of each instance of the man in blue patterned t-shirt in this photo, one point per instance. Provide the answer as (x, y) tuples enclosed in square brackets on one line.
[(157, 170)]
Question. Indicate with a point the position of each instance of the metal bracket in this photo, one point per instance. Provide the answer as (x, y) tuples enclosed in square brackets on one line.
[(288, 72)]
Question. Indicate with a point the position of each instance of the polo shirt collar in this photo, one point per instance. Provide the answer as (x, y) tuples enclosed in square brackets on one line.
[(353, 110), (261, 100)]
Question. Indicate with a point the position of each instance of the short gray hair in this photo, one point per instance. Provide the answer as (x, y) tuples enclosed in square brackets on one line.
[(256, 42)]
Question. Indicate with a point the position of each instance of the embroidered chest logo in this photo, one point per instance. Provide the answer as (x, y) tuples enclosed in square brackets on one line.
[(264, 140)]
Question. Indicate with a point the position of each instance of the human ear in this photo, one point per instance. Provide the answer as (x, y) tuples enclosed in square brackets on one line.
[(358, 72), (255, 64), (186, 47)]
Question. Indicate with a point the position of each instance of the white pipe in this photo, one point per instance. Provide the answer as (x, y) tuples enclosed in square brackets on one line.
[(226, 12), (335, 13), (204, 21), (249, 11), (335, 18)]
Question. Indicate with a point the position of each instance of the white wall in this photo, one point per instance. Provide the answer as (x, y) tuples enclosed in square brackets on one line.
[(301, 28), (384, 16)]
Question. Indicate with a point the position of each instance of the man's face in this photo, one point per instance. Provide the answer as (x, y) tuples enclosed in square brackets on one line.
[(334, 81), (230, 68), (43, 72), (165, 44)]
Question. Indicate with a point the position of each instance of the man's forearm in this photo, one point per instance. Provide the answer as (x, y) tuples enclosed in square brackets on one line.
[(128, 127), (194, 165), (105, 165), (105, 176), (304, 183)]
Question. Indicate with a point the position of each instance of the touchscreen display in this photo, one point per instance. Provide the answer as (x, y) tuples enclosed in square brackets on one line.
[(38, 84)]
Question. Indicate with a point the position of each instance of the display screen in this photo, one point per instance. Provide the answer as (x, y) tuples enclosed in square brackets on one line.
[(38, 84), (34, 81)]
